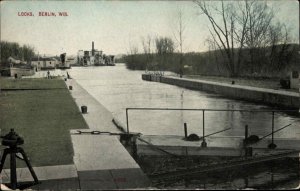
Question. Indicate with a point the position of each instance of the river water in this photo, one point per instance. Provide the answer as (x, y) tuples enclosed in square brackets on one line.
[(118, 88)]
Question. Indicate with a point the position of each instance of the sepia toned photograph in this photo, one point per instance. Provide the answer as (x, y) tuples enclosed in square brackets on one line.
[(149, 95)]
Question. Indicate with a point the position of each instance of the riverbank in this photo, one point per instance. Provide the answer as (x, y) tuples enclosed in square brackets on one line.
[(273, 97), (268, 83), (43, 112)]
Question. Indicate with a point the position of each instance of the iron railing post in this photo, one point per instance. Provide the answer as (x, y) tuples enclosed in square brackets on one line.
[(272, 145), (203, 125), (127, 123), (203, 144), (246, 132), (272, 127), (185, 131)]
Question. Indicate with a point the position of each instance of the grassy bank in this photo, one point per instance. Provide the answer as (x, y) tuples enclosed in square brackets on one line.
[(42, 117), (26, 83)]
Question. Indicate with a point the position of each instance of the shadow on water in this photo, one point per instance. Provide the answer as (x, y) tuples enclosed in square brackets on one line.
[(277, 174)]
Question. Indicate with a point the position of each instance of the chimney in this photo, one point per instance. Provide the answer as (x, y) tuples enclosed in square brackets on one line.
[(93, 50)]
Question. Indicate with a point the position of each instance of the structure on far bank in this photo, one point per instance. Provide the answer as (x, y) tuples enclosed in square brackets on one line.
[(46, 63), (17, 68), (94, 57)]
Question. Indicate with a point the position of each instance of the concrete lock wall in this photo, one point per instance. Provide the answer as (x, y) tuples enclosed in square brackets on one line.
[(151, 77), (267, 96)]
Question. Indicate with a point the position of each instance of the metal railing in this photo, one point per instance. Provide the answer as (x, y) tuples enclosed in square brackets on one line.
[(221, 110)]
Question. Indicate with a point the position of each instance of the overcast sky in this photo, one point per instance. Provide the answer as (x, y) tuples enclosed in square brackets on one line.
[(112, 25)]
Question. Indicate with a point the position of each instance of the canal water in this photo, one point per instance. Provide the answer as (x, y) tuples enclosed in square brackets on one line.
[(118, 88)]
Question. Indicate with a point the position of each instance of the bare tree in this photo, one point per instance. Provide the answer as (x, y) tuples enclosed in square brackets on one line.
[(133, 51), (275, 36), (213, 56), (245, 24), (178, 33), (164, 47), (241, 29), (258, 24), (223, 32), (282, 49), (131, 60), (147, 44)]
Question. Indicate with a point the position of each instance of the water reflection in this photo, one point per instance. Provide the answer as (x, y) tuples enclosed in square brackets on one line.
[(118, 88)]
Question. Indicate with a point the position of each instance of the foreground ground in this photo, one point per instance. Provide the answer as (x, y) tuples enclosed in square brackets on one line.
[(42, 111)]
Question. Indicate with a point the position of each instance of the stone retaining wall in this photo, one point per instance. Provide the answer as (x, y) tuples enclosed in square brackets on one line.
[(266, 96)]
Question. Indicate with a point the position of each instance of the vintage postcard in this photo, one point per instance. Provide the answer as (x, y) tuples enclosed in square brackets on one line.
[(98, 95)]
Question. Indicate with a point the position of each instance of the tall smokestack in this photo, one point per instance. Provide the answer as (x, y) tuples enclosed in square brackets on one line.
[(93, 50)]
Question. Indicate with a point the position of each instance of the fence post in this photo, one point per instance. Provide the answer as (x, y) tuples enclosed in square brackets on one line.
[(272, 145), (248, 150), (246, 132), (127, 123), (203, 144), (185, 131)]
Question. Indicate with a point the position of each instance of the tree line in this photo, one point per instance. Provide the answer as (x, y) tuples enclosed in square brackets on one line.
[(245, 40), (17, 51)]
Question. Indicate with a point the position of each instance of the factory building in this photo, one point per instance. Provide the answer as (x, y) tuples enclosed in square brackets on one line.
[(94, 57)]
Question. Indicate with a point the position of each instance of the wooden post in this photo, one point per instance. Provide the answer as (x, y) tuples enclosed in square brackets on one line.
[(185, 131)]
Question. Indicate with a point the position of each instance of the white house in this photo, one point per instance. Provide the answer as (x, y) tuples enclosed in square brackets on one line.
[(37, 63), (44, 63), (49, 63)]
